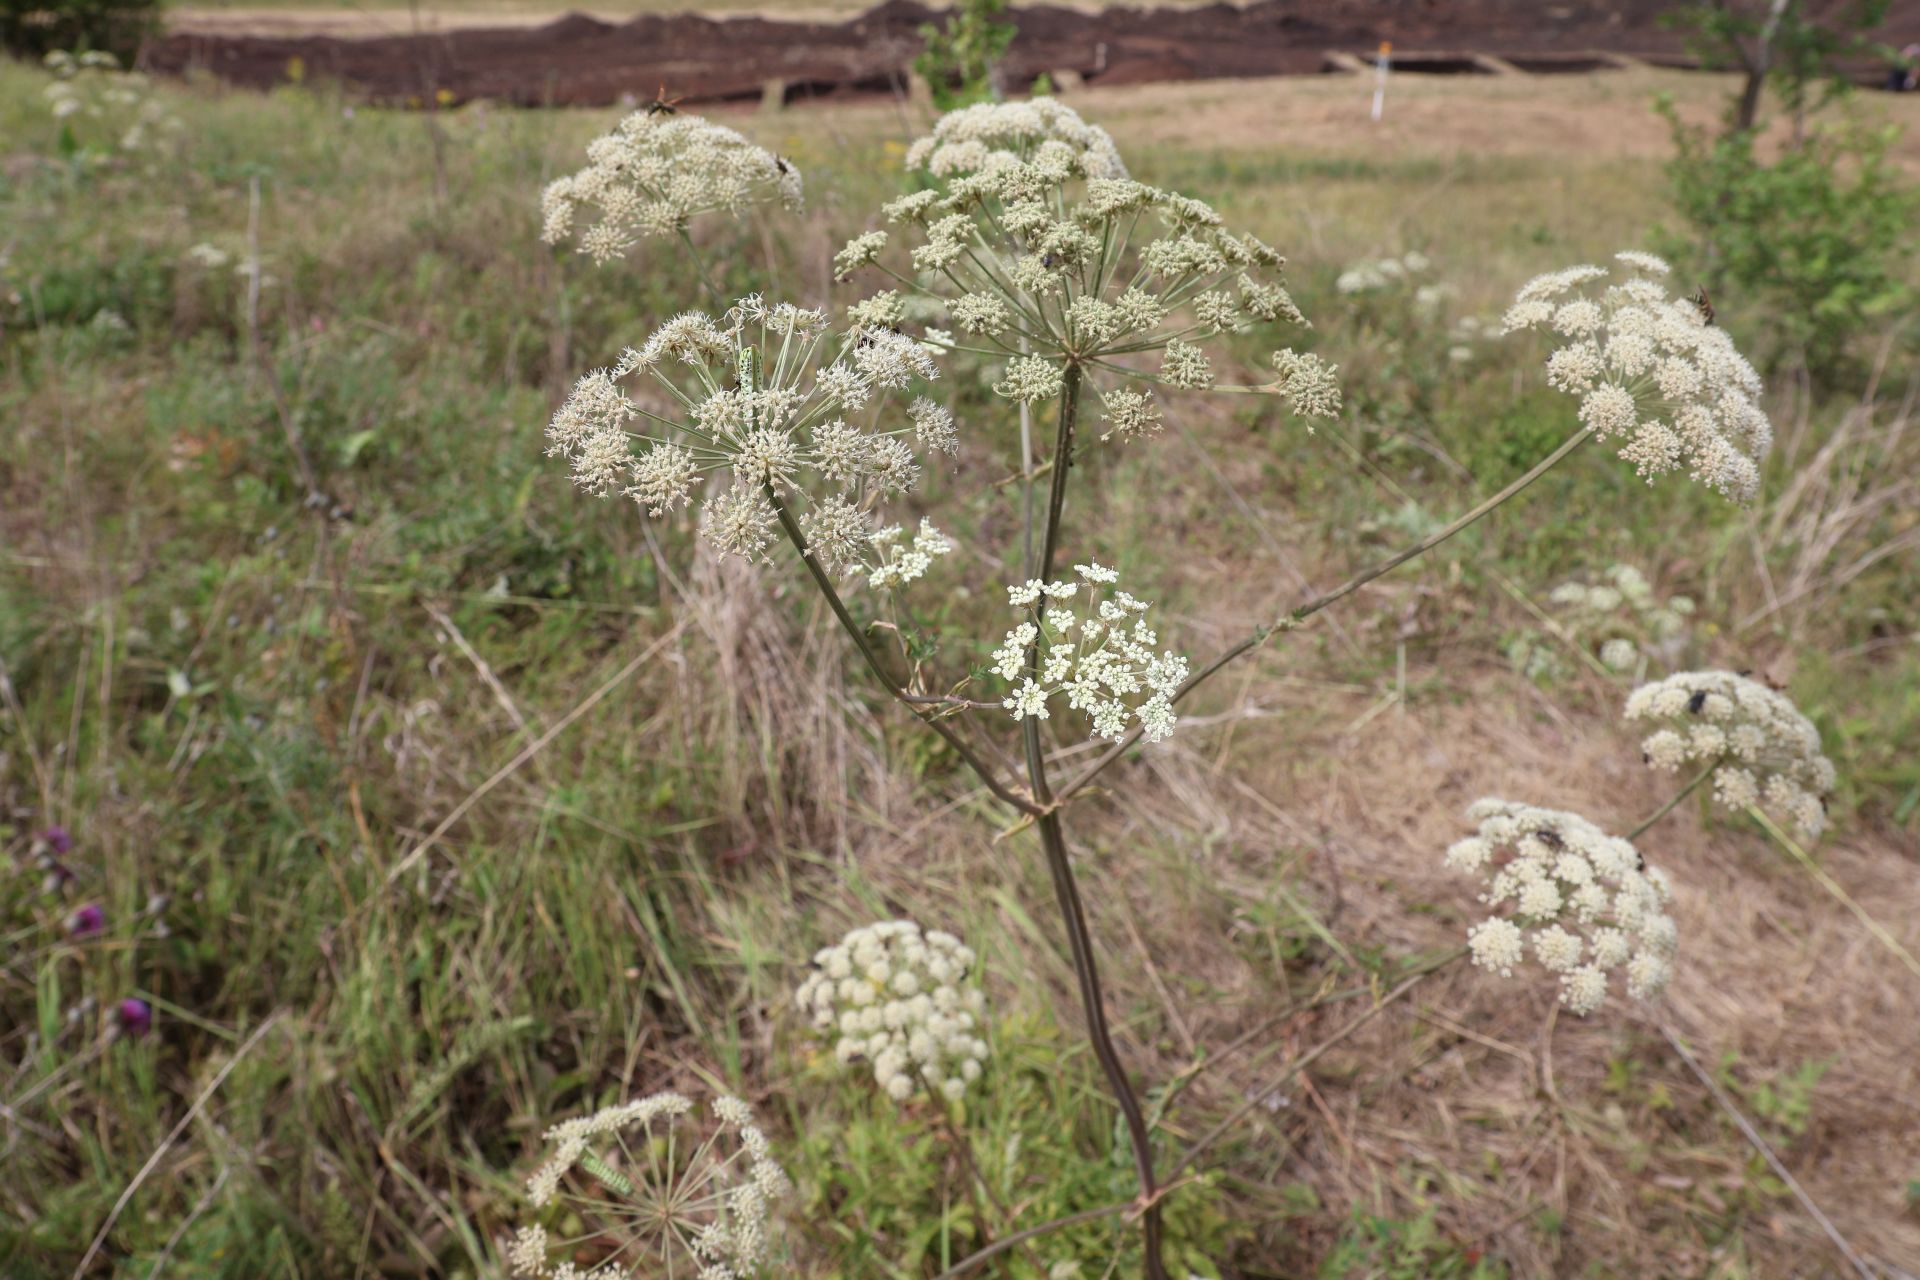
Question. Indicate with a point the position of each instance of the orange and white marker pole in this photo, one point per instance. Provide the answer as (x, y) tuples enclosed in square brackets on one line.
[(1380, 65)]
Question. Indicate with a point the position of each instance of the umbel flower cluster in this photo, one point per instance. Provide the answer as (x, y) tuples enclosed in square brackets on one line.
[(755, 395), (1622, 614), (1583, 899), (1100, 659), (896, 999), (1651, 372), (654, 173), (656, 1192), (1762, 750), (1045, 251)]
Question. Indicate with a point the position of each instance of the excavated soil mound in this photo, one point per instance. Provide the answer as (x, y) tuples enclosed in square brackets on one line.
[(578, 60)]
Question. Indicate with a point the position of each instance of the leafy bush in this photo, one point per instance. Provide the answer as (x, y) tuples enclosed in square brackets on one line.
[(37, 27), (1817, 240)]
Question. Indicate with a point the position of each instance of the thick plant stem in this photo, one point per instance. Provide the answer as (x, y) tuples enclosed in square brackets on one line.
[(1060, 866), (1303, 612), (852, 628)]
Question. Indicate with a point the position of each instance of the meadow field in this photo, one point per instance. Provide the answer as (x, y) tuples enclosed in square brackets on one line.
[(427, 802)]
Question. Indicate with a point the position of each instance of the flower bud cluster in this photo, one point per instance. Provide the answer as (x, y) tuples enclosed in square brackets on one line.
[(1583, 900), (1100, 661), (654, 173), (703, 1202), (1651, 372), (760, 394), (896, 999), (1768, 754)]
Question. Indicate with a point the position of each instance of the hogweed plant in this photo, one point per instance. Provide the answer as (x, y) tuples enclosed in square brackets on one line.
[(652, 1190), (1074, 292)]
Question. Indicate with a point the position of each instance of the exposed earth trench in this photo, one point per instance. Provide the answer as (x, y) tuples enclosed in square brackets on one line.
[(580, 60)]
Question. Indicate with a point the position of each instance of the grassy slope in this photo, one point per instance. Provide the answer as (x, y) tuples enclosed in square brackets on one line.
[(262, 709)]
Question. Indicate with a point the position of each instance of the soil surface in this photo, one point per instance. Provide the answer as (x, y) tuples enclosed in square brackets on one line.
[(581, 60)]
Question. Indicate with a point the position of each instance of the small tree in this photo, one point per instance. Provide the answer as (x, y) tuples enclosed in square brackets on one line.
[(1777, 40), (962, 59)]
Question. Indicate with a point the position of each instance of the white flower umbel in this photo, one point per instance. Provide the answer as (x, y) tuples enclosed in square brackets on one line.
[(1042, 250), (1621, 616), (993, 134), (1099, 660), (901, 562), (654, 1190), (1583, 901), (771, 396), (896, 999), (656, 171), (1651, 372), (1767, 753)]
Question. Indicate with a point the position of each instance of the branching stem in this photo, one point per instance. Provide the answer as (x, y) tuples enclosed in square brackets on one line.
[(946, 731), (1315, 605)]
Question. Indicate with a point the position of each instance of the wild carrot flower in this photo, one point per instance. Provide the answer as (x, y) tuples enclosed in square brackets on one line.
[(1764, 751), (770, 396), (1584, 900), (654, 1190), (897, 999), (1100, 660), (1651, 373), (653, 174), (902, 562)]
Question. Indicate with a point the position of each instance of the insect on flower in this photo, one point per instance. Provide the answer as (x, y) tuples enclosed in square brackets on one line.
[(1703, 302), (662, 105)]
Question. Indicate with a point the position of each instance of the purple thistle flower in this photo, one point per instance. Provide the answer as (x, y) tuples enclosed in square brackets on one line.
[(87, 921), (135, 1016), (57, 839)]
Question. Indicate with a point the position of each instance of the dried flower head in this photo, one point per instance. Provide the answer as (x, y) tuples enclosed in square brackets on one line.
[(897, 999), (769, 395), (1584, 900), (1651, 373), (1763, 750), (1101, 661), (653, 1188), (656, 172)]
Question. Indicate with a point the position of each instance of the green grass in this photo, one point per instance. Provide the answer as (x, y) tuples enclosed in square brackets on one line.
[(247, 709)]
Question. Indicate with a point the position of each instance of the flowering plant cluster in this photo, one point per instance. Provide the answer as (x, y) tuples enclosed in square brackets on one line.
[(1652, 372), (1584, 899), (91, 86), (1621, 613), (1043, 249), (1095, 660), (648, 1199), (654, 173), (1760, 748), (757, 394), (896, 999)]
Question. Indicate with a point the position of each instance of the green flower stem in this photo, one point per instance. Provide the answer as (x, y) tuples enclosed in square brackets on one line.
[(1060, 866), (1315, 605), (1670, 805)]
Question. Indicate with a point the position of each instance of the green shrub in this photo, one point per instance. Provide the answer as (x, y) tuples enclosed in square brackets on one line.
[(38, 27), (1816, 241)]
